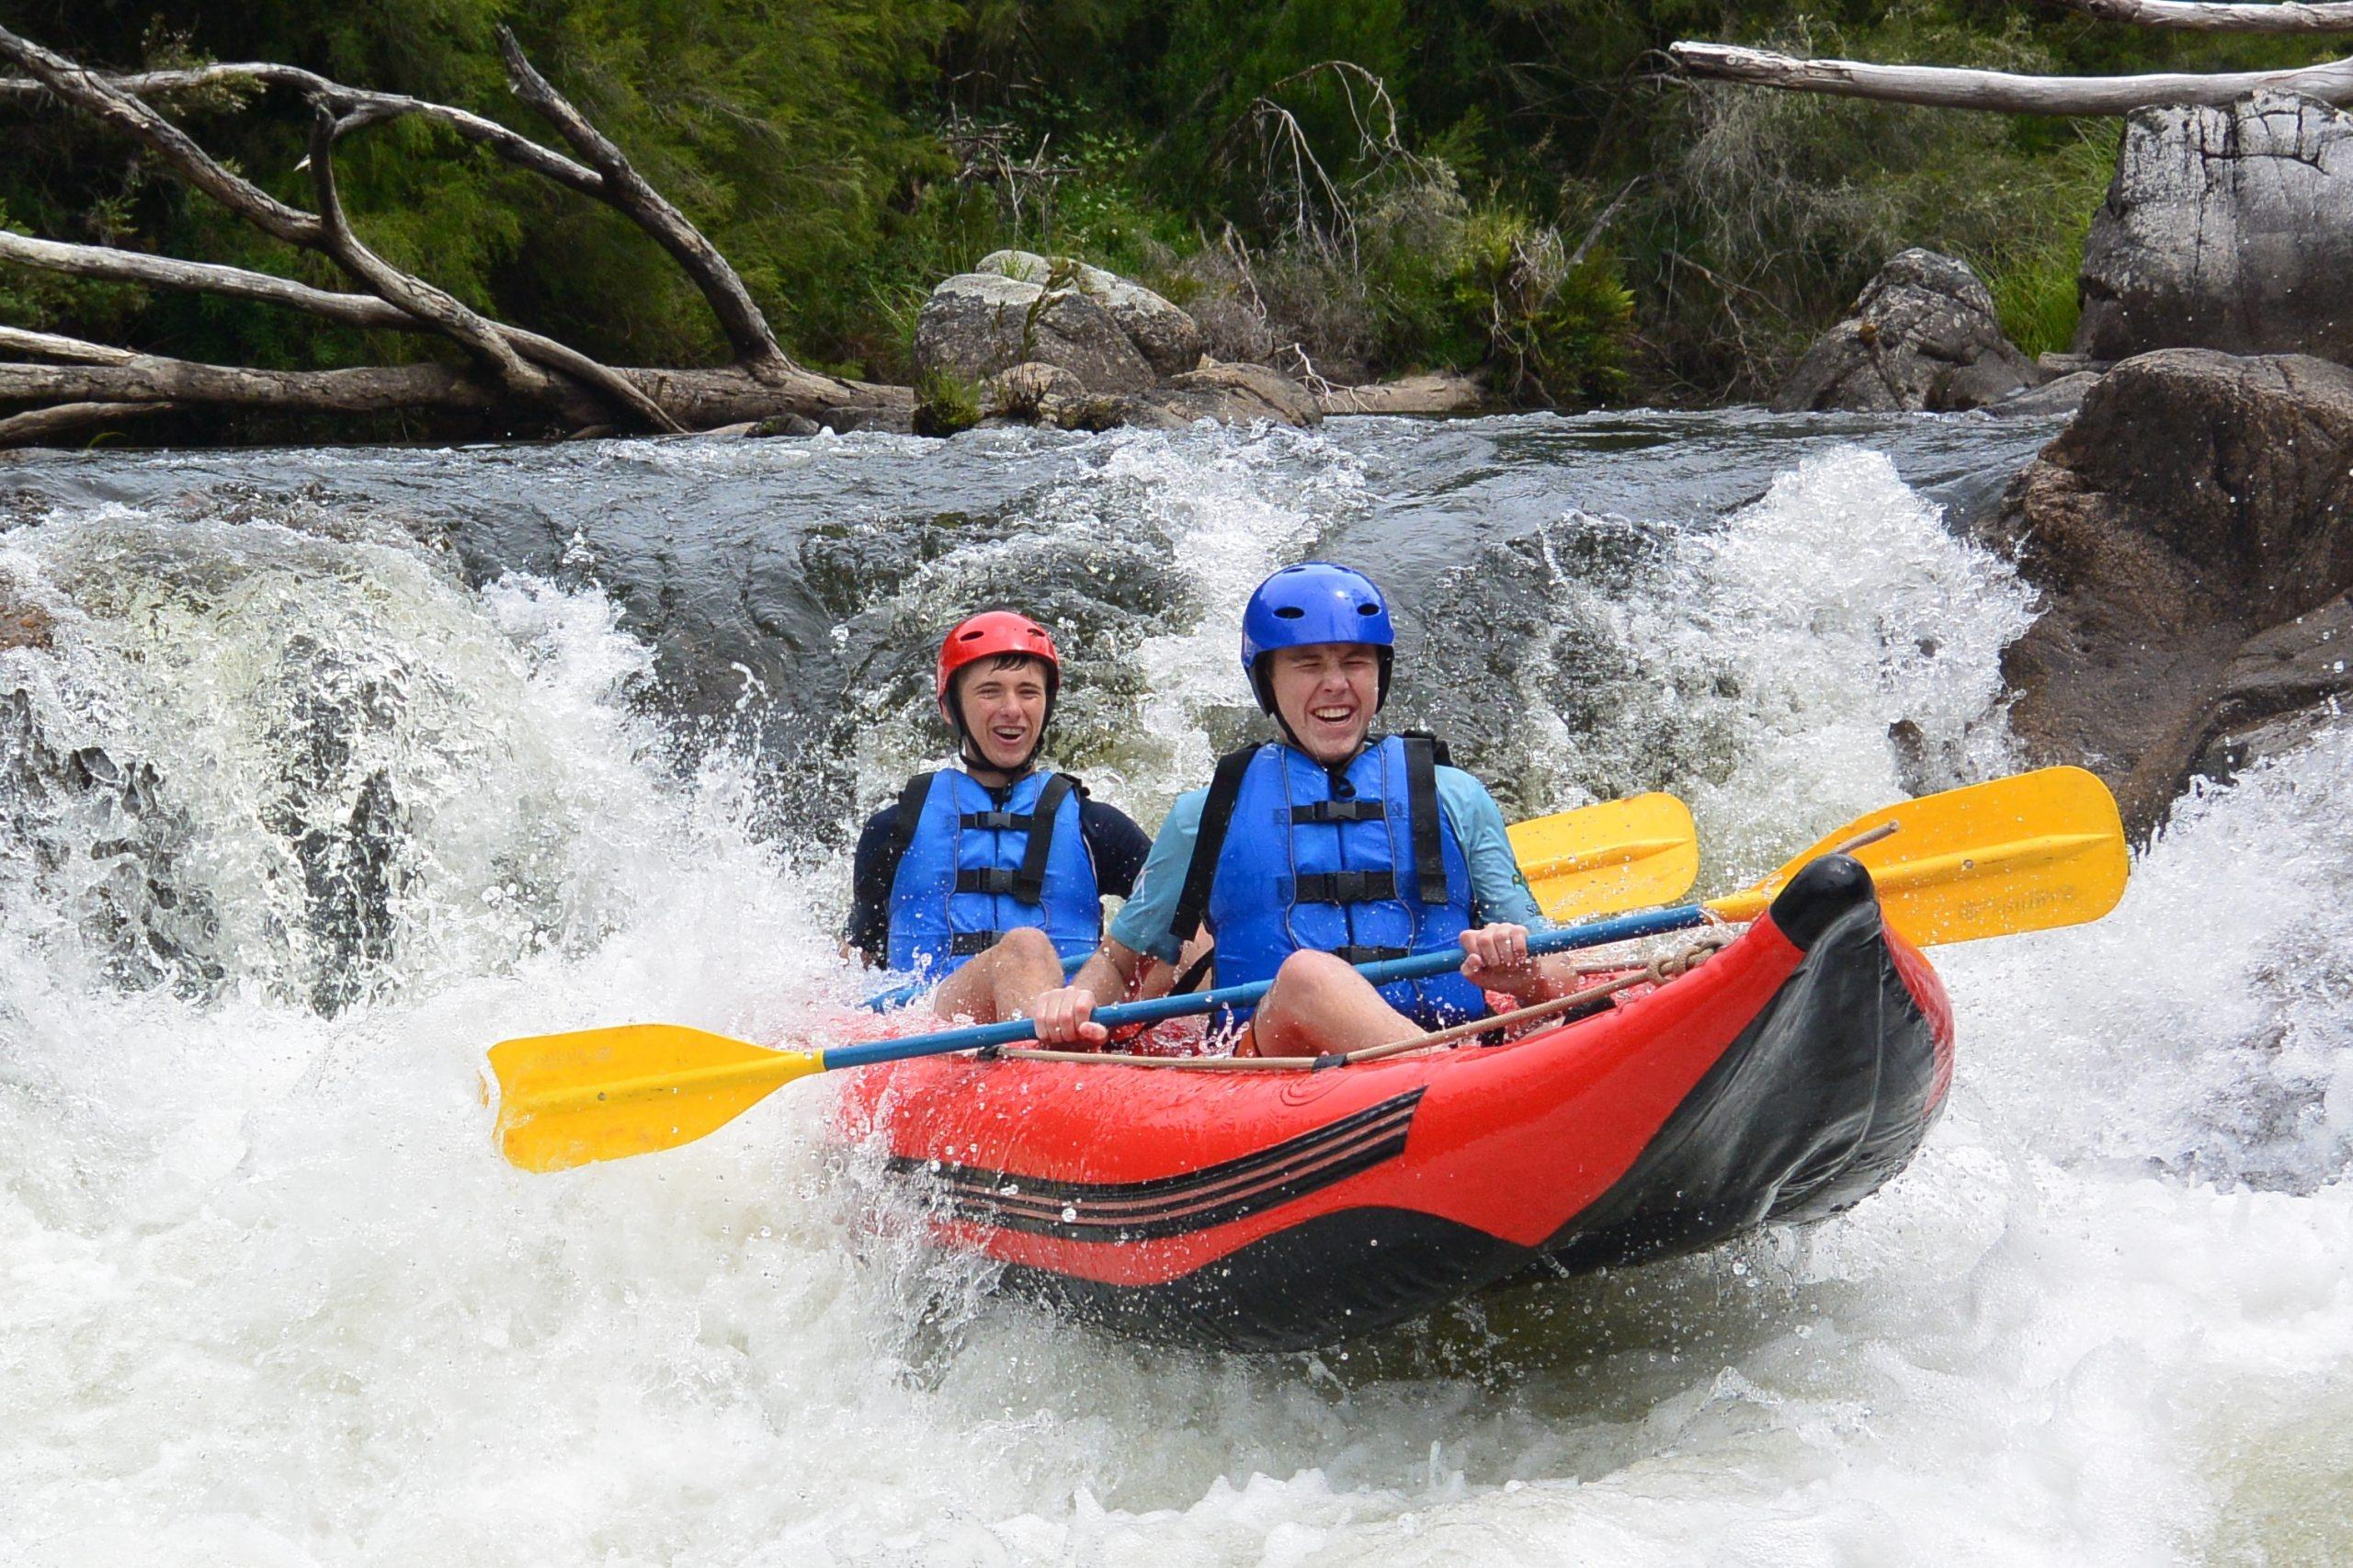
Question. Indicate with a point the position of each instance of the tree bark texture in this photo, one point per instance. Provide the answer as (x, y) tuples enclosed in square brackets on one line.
[(2217, 16), (2002, 92)]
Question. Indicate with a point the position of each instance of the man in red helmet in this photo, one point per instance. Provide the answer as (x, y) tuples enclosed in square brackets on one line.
[(987, 875)]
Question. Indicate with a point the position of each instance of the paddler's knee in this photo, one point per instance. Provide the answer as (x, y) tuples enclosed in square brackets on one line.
[(1028, 945), (1308, 974)]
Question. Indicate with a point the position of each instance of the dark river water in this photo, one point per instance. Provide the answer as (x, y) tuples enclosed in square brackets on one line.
[(341, 764)]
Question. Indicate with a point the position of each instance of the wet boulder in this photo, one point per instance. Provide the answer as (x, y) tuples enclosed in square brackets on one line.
[(1922, 335), (1018, 307), (977, 324), (2192, 532), (1169, 340), (2227, 228)]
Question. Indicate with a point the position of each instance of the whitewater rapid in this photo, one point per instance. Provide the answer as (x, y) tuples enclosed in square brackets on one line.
[(268, 1297)]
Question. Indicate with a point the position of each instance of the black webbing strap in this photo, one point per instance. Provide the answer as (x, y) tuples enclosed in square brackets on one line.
[(1355, 952), (989, 879), (1341, 810), (995, 822), (1216, 815), (903, 817), (1421, 798), (971, 944), (1345, 887), (911, 799), (1194, 972), (1030, 882)]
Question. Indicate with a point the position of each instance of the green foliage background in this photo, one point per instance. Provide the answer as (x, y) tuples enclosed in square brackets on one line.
[(821, 143)]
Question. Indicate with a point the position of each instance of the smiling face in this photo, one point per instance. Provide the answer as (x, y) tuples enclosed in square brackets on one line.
[(1327, 693), (1004, 701)]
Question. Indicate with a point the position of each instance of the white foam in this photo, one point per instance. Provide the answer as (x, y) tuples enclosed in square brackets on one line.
[(271, 1298)]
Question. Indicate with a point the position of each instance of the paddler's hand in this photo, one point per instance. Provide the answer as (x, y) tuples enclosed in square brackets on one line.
[(1496, 957), (1066, 1017)]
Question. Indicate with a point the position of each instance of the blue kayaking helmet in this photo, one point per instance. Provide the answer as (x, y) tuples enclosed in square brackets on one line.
[(1312, 602)]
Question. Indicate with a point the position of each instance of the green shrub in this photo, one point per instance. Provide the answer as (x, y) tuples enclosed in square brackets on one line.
[(944, 403)]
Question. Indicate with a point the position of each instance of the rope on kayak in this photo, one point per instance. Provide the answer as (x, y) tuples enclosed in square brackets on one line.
[(1658, 971)]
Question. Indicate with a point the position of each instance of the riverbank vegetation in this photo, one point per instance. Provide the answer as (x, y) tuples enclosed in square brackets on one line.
[(1350, 188)]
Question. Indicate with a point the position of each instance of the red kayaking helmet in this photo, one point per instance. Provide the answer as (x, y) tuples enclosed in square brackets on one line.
[(985, 635)]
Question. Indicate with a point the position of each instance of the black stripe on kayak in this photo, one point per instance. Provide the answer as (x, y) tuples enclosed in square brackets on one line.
[(1171, 1205)]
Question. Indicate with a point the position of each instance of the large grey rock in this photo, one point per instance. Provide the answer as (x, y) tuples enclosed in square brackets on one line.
[(2196, 507), (977, 324), (2226, 228), (1922, 334), (2062, 396), (1168, 339)]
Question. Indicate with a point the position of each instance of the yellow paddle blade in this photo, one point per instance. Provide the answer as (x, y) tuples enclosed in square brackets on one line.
[(1599, 859), (566, 1099), (2021, 854)]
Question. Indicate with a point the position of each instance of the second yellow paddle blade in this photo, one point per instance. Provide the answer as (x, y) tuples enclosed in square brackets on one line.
[(567, 1099), (1600, 859), (2021, 854)]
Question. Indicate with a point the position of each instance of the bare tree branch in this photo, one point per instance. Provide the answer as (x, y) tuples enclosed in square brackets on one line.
[(614, 181), (2005, 93), (49, 346), (363, 311), (39, 427), (414, 295), (88, 91), (740, 318), (109, 264), (2194, 15), (350, 102), (148, 378), (1593, 233)]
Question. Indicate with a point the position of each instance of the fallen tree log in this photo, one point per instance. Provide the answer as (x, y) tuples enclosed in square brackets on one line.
[(700, 399), (2220, 16), (2003, 92), (524, 377), (42, 425)]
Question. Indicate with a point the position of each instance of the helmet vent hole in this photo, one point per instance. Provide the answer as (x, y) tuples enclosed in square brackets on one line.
[(1289, 612), (1367, 610)]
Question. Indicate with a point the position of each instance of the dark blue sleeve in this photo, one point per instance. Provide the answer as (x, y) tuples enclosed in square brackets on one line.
[(1118, 844), (872, 870)]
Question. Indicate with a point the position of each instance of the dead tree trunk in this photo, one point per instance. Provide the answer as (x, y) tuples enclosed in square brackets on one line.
[(2002, 92), (512, 373), (2215, 17)]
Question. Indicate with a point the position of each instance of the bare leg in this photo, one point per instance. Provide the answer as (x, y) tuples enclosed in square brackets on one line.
[(1319, 1004), (999, 984)]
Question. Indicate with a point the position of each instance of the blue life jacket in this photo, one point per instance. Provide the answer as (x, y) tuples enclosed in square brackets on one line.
[(974, 870), (1365, 866)]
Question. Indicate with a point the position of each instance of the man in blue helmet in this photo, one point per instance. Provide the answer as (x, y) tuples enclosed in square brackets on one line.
[(1329, 848)]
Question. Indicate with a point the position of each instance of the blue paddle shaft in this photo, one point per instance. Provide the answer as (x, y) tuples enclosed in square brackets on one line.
[(1420, 966)]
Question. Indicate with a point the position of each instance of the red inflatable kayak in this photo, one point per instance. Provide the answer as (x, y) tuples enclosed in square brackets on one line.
[(1786, 1079)]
